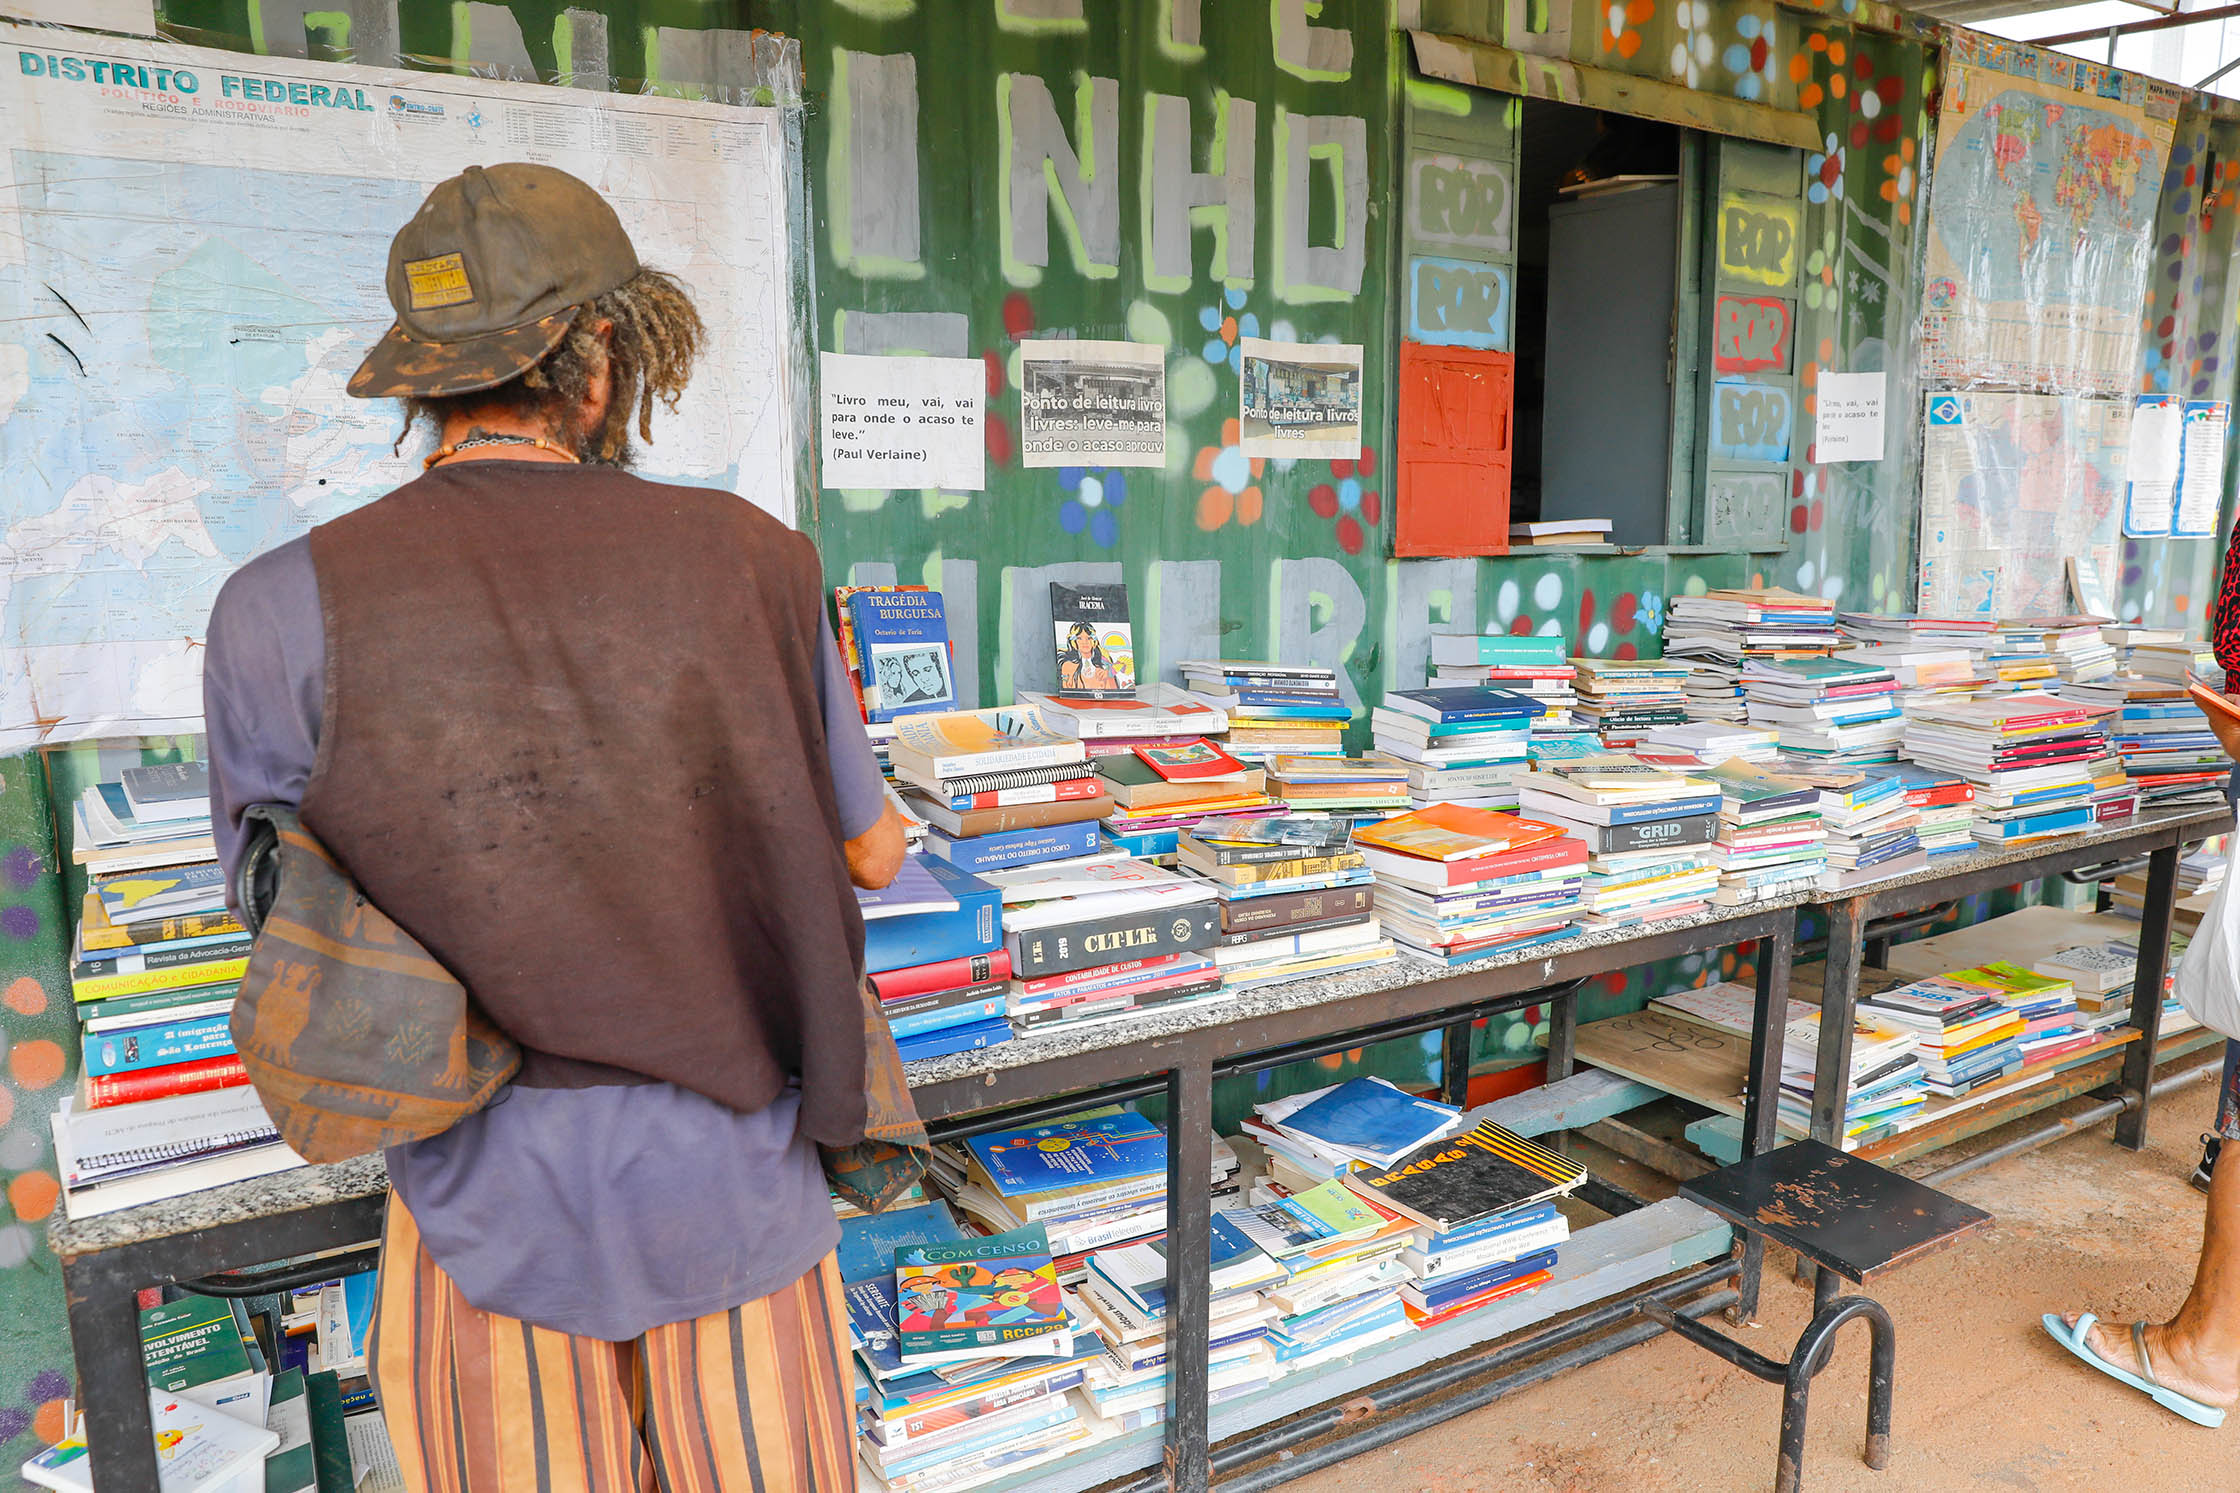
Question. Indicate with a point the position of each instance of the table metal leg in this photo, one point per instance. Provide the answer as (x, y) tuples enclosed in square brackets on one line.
[(2146, 995), (112, 1381), (1761, 1108), (1189, 1268), (1454, 1064), (1563, 1031), (1839, 996)]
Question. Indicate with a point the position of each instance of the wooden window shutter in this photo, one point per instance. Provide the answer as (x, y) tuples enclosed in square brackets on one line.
[(1455, 445)]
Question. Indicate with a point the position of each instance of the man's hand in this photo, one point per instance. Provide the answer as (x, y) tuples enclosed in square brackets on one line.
[(2227, 729), (875, 856)]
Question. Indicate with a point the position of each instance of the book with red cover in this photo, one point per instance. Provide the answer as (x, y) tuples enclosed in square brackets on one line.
[(1187, 761), (1468, 1304), (1449, 832), (1547, 855), (942, 974), (161, 1083)]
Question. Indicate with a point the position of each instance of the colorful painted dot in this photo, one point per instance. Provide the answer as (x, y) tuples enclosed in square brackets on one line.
[(22, 865), (20, 922), (35, 1064), (25, 996)]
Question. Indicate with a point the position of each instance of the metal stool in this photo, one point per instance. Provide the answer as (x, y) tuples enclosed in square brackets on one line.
[(1851, 1218)]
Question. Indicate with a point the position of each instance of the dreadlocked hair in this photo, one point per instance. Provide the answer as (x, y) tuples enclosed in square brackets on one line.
[(656, 335)]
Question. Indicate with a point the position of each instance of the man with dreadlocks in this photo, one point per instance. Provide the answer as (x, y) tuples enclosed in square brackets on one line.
[(588, 739)]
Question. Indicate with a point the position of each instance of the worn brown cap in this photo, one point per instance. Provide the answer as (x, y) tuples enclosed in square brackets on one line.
[(486, 276)]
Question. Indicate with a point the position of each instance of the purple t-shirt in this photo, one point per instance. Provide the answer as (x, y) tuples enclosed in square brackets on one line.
[(603, 1212)]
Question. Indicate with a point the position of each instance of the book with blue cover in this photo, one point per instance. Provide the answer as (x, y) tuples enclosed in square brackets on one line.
[(1463, 703), (1371, 1119), (1079, 1152), (973, 926), (868, 1240), (1015, 847), (902, 638), (914, 889), (969, 1037), (942, 1018), (1434, 1294), (131, 1049)]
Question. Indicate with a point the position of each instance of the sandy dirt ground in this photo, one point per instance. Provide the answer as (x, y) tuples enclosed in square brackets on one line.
[(1984, 1398)]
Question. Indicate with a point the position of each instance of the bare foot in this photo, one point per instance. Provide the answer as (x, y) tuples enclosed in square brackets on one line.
[(2176, 1366)]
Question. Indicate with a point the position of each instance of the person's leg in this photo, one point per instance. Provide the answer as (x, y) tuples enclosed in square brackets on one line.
[(2196, 1352), (479, 1403), (2228, 1116), (758, 1399)]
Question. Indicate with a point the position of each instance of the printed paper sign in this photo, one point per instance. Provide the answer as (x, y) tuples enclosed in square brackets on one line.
[(902, 422), (1092, 404), (1848, 426), (2200, 467), (1300, 399), (2151, 466)]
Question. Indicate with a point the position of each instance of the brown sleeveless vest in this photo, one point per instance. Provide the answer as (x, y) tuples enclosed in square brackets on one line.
[(572, 743)]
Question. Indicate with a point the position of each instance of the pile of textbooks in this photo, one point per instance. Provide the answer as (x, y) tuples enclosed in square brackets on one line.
[(2168, 657), (1104, 937), (1357, 787), (266, 1391), (162, 1106), (1885, 1089), (1456, 884), (1945, 802), (1272, 708), (1913, 631), (1160, 789), (1873, 832), (1620, 700), (1770, 838), (1711, 741), (1970, 1025), (1833, 709), (1458, 744), (2101, 975), (1125, 1289), (1648, 830), (1295, 898), (1923, 674), (1733, 624), (2200, 874), (894, 641), (2036, 761), (2072, 645), (1530, 664), (1026, 791), (934, 955), (2170, 757)]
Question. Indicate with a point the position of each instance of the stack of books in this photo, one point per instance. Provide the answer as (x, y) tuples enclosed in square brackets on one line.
[(1126, 1292), (1486, 1222), (933, 951), (1711, 741), (1621, 700), (1944, 800), (1093, 1180), (162, 1106), (1153, 715), (2168, 659), (1458, 744), (1104, 937), (894, 641), (1295, 898), (978, 758), (1646, 860), (1873, 832), (2200, 874), (1358, 787), (1341, 1262), (2073, 645), (928, 1425), (1833, 709), (1289, 709), (1924, 674), (1884, 1093), (1967, 1034), (1913, 631), (1526, 665), (2036, 761), (2100, 975), (2170, 757), (1770, 838), (1157, 791), (1737, 623), (1456, 884)]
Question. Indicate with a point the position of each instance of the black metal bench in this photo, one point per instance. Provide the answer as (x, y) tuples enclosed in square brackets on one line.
[(1853, 1220)]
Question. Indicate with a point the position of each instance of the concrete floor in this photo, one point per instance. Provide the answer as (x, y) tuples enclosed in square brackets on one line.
[(1984, 1398)]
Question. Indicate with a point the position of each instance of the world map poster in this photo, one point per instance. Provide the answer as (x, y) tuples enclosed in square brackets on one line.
[(2041, 218), (192, 252)]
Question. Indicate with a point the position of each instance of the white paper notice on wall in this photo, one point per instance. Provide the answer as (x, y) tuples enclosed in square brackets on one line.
[(902, 422), (2151, 466), (2200, 468), (1848, 425)]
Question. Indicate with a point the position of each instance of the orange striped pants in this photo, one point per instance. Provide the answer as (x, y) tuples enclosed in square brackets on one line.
[(753, 1400)]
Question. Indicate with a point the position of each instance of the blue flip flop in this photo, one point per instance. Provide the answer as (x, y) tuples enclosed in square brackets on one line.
[(2073, 1338)]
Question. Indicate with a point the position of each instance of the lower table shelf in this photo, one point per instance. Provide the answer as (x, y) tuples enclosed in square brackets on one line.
[(1598, 1262)]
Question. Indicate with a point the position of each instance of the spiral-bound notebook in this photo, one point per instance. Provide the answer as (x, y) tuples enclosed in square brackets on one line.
[(100, 1145)]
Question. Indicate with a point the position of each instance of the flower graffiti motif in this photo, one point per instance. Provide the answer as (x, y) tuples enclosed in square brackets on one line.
[(1232, 478), (1649, 611), (1093, 503), (1750, 58), (1824, 172), (1897, 184), (1693, 53), (1622, 23), (1349, 501), (1227, 322)]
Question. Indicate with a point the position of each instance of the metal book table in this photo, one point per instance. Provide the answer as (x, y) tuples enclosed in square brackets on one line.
[(1873, 913), (1675, 1256)]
